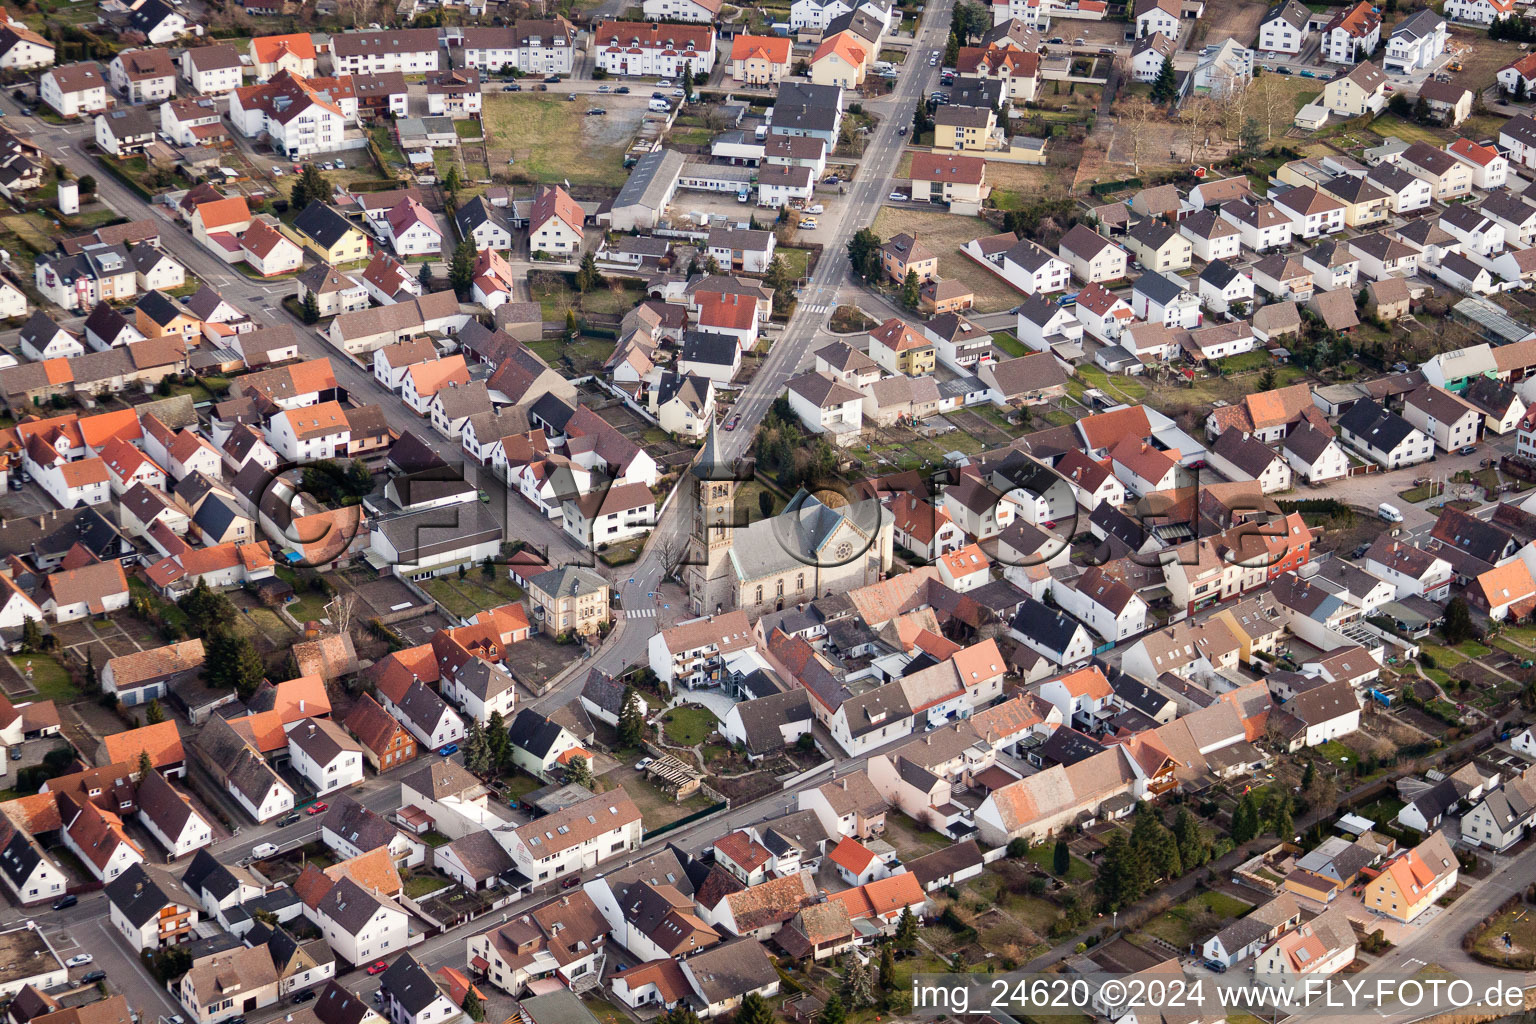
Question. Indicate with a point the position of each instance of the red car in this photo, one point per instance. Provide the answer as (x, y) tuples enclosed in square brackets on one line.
[(317, 809), (733, 422), (378, 968)]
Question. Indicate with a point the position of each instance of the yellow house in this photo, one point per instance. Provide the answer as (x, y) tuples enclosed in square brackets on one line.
[(965, 128), (903, 253), (900, 349), (1362, 91), (760, 60), (570, 599), (840, 60), (329, 235), (1411, 882), (1365, 203)]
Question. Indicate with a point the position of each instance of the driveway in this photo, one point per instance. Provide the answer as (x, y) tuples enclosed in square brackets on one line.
[(1368, 491)]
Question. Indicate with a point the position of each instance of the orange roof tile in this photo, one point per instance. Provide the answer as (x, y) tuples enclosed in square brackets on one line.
[(161, 741)]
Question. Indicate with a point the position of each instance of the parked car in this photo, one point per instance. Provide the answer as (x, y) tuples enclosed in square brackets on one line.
[(733, 422), (514, 87), (596, 111), (603, 88), (552, 79), (448, 750), (304, 997), (622, 90), (318, 807), (665, 83), (897, 197), (16, 752), (808, 224), (640, 766), (65, 901), (1470, 449), (571, 882), (288, 819), (1107, 51), (378, 968), (79, 960), (93, 977)]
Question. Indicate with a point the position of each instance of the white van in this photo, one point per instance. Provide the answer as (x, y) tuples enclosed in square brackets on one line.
[(261, 850), (661, 106), (1389, 513)]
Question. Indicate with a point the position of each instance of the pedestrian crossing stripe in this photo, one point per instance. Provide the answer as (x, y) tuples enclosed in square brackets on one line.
[(818, 309), (640, 613)]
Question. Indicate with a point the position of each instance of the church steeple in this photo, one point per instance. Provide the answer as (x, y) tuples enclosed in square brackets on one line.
[(711, 463)]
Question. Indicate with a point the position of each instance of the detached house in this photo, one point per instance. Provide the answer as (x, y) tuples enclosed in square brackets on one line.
[(1092, 257)]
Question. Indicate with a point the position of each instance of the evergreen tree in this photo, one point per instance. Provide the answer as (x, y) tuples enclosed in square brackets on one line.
[(311, 308), (1245, 819), (451, 180), (588, 278), (711, 266), (1309, 777), (578, 771), (571, 327), (31, 636), (232, 663), (1519, 95), (1165, 87), (208, 610), (631, 719), (473, 1008), (1116, 884), (1458, 621), (864, 254), (858, 986), (951, 51), (461, 270), (87, 185), (754, 1009), (1193, 849), (765, 503), (1251, 137), (832, 1011), (92, 681), (778, 278), (887, 968), (911, 290), (499, 740), (906, 930), (1061, 859), (477, 751), (425, 276), (1282, 823), (146, 765), (310, 186), (679, 1014), (359, 478), (154, 714), (1267, 379)]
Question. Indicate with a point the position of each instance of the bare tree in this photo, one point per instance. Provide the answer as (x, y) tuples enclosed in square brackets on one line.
[(1136, 115), (1234, 108), (1196, 117), (1270, 99)]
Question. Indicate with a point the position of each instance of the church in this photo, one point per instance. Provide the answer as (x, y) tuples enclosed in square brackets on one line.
[(809, 550)]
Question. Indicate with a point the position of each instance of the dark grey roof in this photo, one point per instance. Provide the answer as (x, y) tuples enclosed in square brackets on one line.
[(1220, 273), (39, 330), (351, 906), (205, 873), (763, 718), (215, 515), (476, 212), (1375, 426), (149, 14), (409, 984), (731, 969), (140, 892), (1067, 746), (322, 223), (711, 348), (419, 535), (534, 733), (1050, 628), (945, 862), (20, 857), (410, 454), (1160, 288)]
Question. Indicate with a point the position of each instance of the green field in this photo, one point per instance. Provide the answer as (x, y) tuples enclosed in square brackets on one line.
[(688, 727), (552, 140)]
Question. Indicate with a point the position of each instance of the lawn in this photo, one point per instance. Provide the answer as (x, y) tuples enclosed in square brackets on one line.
[(474, 593), (1520, 923), (553, 140), (308, 605), (688, 727), (1043, 857), (424, 885), (1247, 361), (386, 143), (1337, 754), (555, 296), (49, 678), (585, 353), (1126, 389), (1009, 344), (1177, 926), (656, 807), (1391, 124), (797, 260), (945, 233)]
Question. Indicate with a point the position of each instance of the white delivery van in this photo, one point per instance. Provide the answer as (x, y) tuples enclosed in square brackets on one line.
[(1389, 513), (661, 106), (261, 850)]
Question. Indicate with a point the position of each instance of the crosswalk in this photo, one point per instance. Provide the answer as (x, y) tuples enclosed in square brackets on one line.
[(822, 308), (640, 613)]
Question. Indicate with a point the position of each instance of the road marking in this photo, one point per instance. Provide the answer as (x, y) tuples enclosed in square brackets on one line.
[(640, 613)]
